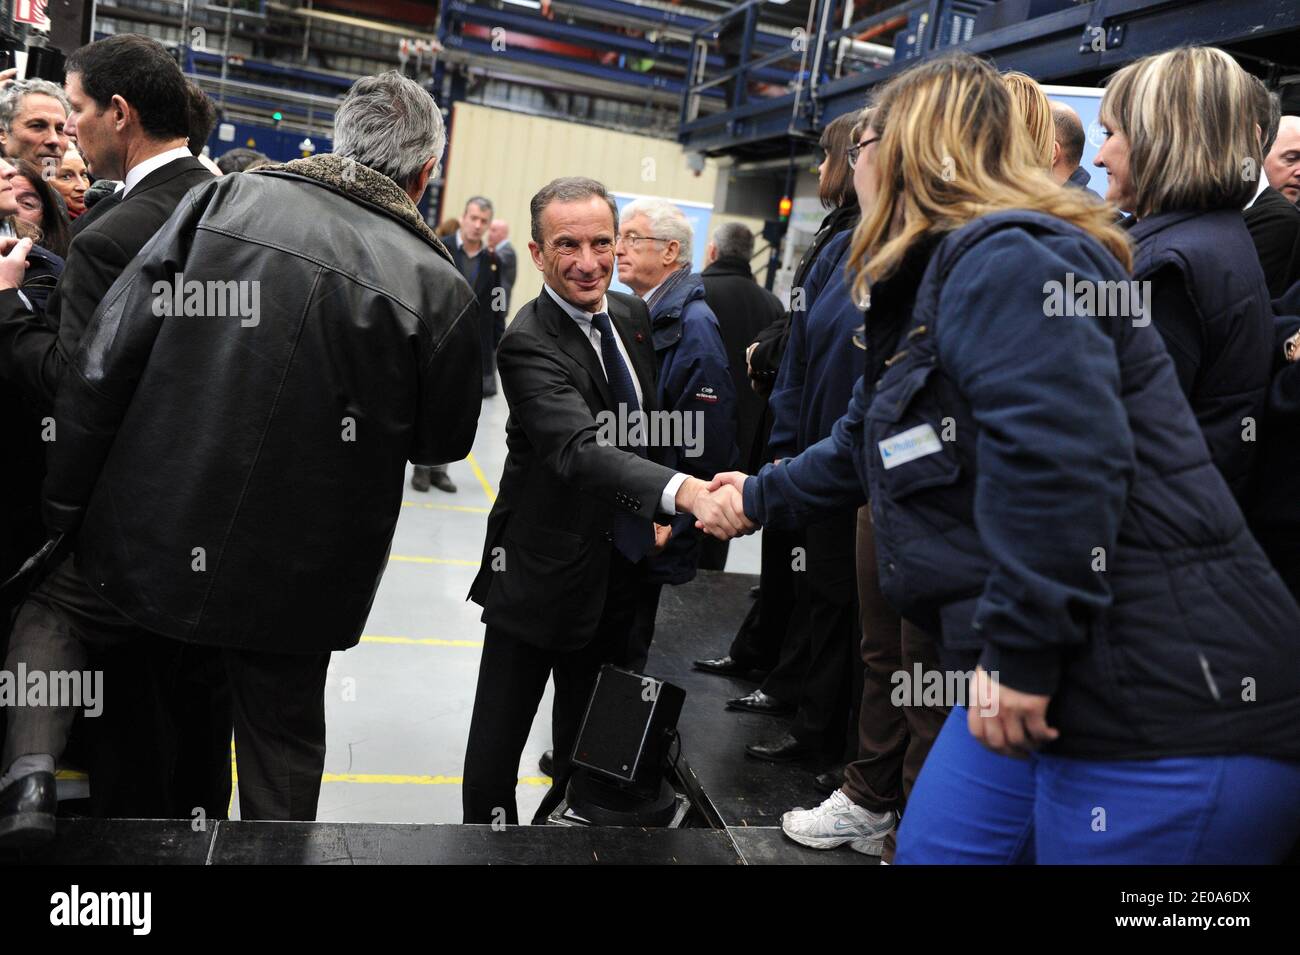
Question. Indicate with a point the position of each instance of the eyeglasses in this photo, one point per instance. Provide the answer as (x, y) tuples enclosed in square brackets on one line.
[(855, 151), (632, 239)]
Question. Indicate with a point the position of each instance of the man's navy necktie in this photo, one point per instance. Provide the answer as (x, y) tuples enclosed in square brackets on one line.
[(633, 536)]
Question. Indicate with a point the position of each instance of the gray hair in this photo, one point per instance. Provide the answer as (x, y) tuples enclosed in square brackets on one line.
[(733, 240), (11, 99), (567, 189), (482, 202), (666, 222), (390, 124)]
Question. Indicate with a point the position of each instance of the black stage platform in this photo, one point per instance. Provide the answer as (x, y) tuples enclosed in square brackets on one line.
[(744, 798)]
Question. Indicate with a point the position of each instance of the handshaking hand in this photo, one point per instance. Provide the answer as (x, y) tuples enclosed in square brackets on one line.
[(718, 506)]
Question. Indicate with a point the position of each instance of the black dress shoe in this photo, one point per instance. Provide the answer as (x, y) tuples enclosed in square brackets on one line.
[(547, 763), (27, 809), (420, 478), (830, 780), (784, 749), (723, 666), (760, 702), (440, 480)]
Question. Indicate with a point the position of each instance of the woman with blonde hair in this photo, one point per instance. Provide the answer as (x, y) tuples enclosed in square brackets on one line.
[(1035, 111), (1043, 500), (1183, 157)]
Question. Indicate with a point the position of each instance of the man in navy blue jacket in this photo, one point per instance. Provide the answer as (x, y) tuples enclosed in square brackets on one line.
[(697, 432)]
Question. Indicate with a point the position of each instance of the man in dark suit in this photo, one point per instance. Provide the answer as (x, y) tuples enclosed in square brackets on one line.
[(744, 308), (499, 243), (577, 500), (130, 121), (477, 263), (145, 147), (468, 246), (1067, 150), (1272, 219)]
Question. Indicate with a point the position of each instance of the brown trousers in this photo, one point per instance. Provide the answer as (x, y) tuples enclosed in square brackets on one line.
[(893, 741)]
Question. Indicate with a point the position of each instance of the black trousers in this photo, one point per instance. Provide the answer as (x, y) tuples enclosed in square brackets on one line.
[(275, 705), (713, 553), (511, 680), (64, 626), (819, 658), (757, 644), (641, 633), (161, 747), (278, 704)]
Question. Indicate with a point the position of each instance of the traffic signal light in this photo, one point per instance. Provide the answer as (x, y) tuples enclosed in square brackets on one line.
[(276, 117), (784, 209)]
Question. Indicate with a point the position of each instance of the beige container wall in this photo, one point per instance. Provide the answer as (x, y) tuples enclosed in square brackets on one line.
[(509, 156)]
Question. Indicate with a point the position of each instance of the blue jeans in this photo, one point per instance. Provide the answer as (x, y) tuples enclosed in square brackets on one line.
[(971, 805)]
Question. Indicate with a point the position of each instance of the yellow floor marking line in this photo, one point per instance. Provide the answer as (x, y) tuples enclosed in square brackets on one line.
[(397, 780), (451, 561), (482, 478), (423, 642), (448, 507)]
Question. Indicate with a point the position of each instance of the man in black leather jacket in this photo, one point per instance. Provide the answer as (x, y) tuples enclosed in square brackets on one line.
[(300, 320)]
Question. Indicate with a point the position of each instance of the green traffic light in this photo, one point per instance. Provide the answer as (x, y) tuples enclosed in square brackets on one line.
[(277, 116)]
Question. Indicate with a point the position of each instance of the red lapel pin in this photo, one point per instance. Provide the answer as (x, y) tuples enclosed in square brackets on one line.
[(640, 337)]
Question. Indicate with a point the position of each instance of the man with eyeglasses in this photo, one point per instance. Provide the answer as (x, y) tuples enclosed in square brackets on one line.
[(695, 386), (580, 502)]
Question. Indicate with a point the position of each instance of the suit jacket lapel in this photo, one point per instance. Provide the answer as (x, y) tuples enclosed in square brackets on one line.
[(576, 345), (642, 355)]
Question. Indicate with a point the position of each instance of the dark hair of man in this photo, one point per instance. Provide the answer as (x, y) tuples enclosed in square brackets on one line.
[(55, 232), (1268, 113), (142, 72), (239, 159), (567, 189), (203, 116)]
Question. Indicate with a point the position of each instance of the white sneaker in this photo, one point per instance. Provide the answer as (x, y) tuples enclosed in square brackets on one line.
[(836, 821)]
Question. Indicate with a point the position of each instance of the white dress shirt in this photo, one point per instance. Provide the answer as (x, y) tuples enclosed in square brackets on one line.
[(668, 499), (142, 169)]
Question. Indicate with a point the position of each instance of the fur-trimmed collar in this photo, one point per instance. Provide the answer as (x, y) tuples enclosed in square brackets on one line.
[(363, 184)]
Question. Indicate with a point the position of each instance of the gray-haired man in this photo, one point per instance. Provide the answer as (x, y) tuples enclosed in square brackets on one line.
[(32, 117), (231, 448)]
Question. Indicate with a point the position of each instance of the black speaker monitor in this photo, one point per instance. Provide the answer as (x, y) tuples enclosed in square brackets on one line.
[(628, 729)]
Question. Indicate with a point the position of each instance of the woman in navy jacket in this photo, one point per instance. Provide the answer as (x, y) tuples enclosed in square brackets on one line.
[(1043, 497), (1185, 168)]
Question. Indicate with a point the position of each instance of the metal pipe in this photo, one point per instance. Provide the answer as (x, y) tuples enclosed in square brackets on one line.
[(817, 60), (225, 52), (803, 62), (306, 32)]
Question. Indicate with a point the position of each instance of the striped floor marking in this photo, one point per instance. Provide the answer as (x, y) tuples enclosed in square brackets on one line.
[(448, 507), (422, 642), (446, 561), (482, 479)]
